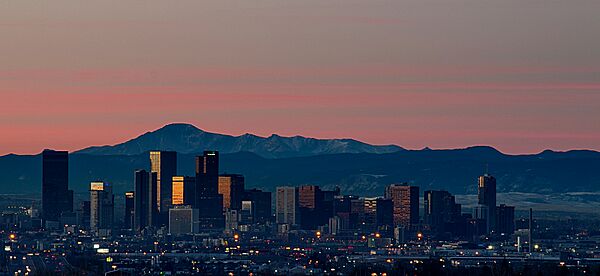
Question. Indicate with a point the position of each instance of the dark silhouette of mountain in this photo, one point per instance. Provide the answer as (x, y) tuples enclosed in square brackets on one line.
[(186, 138), (360, 173)]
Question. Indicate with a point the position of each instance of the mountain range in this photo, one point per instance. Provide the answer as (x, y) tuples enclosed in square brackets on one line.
[(356, 167), (186, 138)]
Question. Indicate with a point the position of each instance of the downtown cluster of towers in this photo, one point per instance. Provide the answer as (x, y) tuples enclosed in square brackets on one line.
[(397, 213), (188, 204), (209, 201), (161, 198)]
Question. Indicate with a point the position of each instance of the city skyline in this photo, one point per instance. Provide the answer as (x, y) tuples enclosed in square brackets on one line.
[(301, 137), (409, 73)]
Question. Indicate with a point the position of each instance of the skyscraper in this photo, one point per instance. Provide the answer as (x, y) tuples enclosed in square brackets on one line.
[(357, 213), (486, 195), (208, 200), (231, 187), (184, 190), (84, 213), (370, 212), (101, 207), (56, 196), (145, 203), (505, 219), (405, 201), (183, 220), (261, 204), (441, 211), (342, 208), (310, 202), (129, 207), (164, 164), (286, 207), (385, 213)]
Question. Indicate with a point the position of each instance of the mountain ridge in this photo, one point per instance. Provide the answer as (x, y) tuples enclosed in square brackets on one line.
[(187, 138)]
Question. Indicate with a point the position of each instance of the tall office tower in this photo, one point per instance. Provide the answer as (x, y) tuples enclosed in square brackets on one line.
[(207, 174), (310, 202), (164, 164), (327, 202), (102, 203), (287, 206), (384, 213), (357, 213), (208, 200), (342, 209), (481, 214), (83, 213), (56, 196), (486, 195), (183, 220), (441, 211), (129, 207), (406, 204), (145, 203), (260, 203), (231, 187), (505, 219), (184, 190), (208, 163), (370, 212)]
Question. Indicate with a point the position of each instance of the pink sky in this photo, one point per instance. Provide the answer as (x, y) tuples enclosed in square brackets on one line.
[(515, 75)]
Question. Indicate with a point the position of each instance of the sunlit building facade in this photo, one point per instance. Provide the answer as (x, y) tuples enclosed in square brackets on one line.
[(184, 190), (231, 187), (164, 164)]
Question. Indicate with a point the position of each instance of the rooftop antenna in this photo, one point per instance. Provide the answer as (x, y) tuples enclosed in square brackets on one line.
[(487, 168)]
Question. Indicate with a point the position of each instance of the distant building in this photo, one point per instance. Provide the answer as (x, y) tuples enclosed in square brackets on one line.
[(287, 206), (486, 197), (208, 200), (384, 213), (405, 201), (232, 219), (248, 212), (334, 225), (102, 203), (83, 213), (231, 187), (145, 203), (164, 164), (357, 213), (370, 212), (505, 219), (481, 220), (183, 220), (441, 212), (129, 207), (310, 200), (261, 205), (56, 196), (316, 206), (342, 209), (184, 190)]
